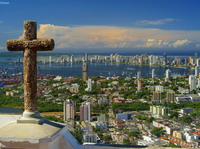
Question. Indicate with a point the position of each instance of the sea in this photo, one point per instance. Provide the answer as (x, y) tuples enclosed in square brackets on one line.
[(94, 69)]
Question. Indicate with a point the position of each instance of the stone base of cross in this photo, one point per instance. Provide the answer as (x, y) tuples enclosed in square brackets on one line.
[(30, 45)]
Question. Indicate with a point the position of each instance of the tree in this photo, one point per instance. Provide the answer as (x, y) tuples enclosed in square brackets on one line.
[(174, 114), (107, 138), (186, 119), (133, 134), (157, 131), (78, 134), (126, 142)]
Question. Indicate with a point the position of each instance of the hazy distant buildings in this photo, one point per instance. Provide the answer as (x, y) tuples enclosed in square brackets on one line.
[(190, 60), (85, 111), (86, 57), (69, 110), (198, 62), (111, 57), (164, 59), (118, 60), (140, 60), (50, 59), (195, 58)]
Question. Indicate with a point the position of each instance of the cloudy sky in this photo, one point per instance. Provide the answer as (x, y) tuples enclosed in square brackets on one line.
[(106, 25)]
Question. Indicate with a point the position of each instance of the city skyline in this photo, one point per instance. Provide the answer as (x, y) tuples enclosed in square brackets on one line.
[(102, 26)]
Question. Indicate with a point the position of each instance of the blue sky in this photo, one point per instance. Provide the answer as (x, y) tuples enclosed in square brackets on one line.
[(125, 25)]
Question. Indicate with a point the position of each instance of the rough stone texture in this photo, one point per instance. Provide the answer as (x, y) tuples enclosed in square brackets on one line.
[(30, 45), (30, 30), (30, 80), (34, 45)]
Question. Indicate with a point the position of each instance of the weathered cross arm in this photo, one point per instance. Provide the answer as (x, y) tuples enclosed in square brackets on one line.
[(34, 45)]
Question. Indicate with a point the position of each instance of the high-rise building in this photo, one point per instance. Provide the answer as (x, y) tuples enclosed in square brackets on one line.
[(159, 88), (138, 75), (151, 60), (153, 74), (165, 59), (198, 82), (197, 71), (170, 96), (159, 110), (157, 96), (195, 57), (50, 59), (192, 82), (190, 60), (72, 58), (86, 57), (167, 75), (111, 57), (89, 85), (85, 71), (85, 111), (139, 85), (118, 58), (140, 60), (69, 110)]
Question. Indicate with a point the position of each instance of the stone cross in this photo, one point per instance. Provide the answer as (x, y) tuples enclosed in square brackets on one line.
[(30, 45)]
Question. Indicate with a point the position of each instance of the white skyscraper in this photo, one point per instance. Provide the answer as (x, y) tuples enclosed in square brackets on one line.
[(111, 57), (192, 82), (89, 85), (118, 59), (138, 75), (198, 83), (167, 75), (153, 73), (85, 111), (86, 57), (69, 110), (151, 59), (72, 58), (50, 60), (197, 71), (198, 62)]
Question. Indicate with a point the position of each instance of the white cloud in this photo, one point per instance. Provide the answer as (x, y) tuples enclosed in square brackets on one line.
[(155, 43), (155, 22), (2, 48), (1, 21), (198, 45), (80, 37), (180, 43)]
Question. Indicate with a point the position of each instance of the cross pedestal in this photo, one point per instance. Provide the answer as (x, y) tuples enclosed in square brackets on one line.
[(30, 45)]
